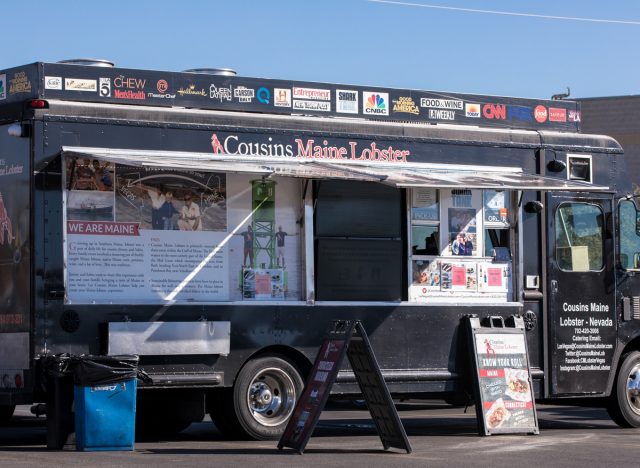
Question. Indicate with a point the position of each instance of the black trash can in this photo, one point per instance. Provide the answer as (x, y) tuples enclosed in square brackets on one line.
[(59, 391)]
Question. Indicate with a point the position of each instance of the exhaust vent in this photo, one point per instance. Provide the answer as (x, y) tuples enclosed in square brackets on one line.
[(89, 62), (213, 71)]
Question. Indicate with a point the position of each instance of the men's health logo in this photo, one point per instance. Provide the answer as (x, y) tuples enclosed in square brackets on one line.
[(376, 103), (263, 95)]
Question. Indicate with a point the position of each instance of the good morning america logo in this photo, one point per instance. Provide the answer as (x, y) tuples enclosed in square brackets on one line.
[(308, 149)]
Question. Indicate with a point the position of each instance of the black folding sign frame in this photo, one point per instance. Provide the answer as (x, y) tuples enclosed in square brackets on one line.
[(504, 395), (345, 337)]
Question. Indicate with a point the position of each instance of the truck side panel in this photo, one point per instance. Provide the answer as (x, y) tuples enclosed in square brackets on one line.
[(15, 261)]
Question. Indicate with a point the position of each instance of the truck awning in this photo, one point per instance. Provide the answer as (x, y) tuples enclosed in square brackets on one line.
[(408, 175)]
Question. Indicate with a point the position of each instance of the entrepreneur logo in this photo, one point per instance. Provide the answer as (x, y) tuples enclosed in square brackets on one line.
[(375, 103)]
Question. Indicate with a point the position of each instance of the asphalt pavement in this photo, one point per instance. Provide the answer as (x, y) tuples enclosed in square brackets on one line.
[(440, 436)]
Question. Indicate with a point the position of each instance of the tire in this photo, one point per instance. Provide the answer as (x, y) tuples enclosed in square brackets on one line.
[(624, 403), (6, 413), (263, 398)]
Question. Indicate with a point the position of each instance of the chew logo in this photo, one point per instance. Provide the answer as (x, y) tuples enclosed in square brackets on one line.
[(376, 103), (5, 223)]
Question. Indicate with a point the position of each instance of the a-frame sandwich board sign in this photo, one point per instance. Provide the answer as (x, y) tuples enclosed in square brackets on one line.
[(504, 395), (345, 337)]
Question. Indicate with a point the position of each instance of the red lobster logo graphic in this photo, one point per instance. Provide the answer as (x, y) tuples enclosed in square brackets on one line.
[(489, 351), (5, 223)]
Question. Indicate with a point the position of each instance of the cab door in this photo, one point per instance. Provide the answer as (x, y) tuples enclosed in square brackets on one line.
[(581, 292)]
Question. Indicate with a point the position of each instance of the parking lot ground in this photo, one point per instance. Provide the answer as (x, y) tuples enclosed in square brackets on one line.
[(346, 437)]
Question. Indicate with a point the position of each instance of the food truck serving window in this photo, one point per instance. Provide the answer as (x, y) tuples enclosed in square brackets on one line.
[(579, 237), (455, 235)]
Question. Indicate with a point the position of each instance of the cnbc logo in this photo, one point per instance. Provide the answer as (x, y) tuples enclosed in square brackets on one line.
[(375, 103)]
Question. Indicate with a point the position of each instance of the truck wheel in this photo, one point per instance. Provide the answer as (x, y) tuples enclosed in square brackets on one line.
[(6, 413), (624, 404), (264, 396)]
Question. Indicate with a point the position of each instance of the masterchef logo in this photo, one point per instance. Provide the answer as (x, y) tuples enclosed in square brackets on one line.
[(540, 114), (162, 86), (557, 115)]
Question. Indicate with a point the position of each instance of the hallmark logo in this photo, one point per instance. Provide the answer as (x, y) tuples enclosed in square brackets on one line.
[(192, 91)]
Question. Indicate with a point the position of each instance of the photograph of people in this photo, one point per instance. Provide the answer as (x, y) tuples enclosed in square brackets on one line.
[(166, 212), (248, 246), (462, 219), (420, 272), (157, 200), (280, 235), (85, 176), (462, 245), (189, 216)]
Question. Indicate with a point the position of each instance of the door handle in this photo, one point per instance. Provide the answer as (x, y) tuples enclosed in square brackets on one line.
[(554, 286)]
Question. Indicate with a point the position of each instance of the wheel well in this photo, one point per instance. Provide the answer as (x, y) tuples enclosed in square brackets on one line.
[(296, 357), (633, 345)]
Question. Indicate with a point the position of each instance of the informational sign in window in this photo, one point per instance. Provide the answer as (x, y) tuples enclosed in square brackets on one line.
[(504, 393), (495, 207), (424, 204), (158, 234)]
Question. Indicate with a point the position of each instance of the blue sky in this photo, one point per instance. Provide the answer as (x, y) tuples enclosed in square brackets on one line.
[(400, 45)]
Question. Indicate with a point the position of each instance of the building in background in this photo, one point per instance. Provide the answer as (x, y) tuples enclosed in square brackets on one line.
[(618, 117)]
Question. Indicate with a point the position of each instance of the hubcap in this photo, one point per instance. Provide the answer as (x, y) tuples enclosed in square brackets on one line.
[(633, 389), (271, 397)]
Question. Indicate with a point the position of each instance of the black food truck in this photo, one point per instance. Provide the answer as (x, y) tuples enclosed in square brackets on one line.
[(214, 225)]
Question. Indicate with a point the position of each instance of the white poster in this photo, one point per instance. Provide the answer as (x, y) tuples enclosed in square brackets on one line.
[(157, 235)]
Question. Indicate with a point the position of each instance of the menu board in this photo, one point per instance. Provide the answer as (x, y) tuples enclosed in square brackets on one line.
[(504, 396)]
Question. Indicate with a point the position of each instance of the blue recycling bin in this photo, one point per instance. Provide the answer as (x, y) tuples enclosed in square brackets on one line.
[(105, 402)]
